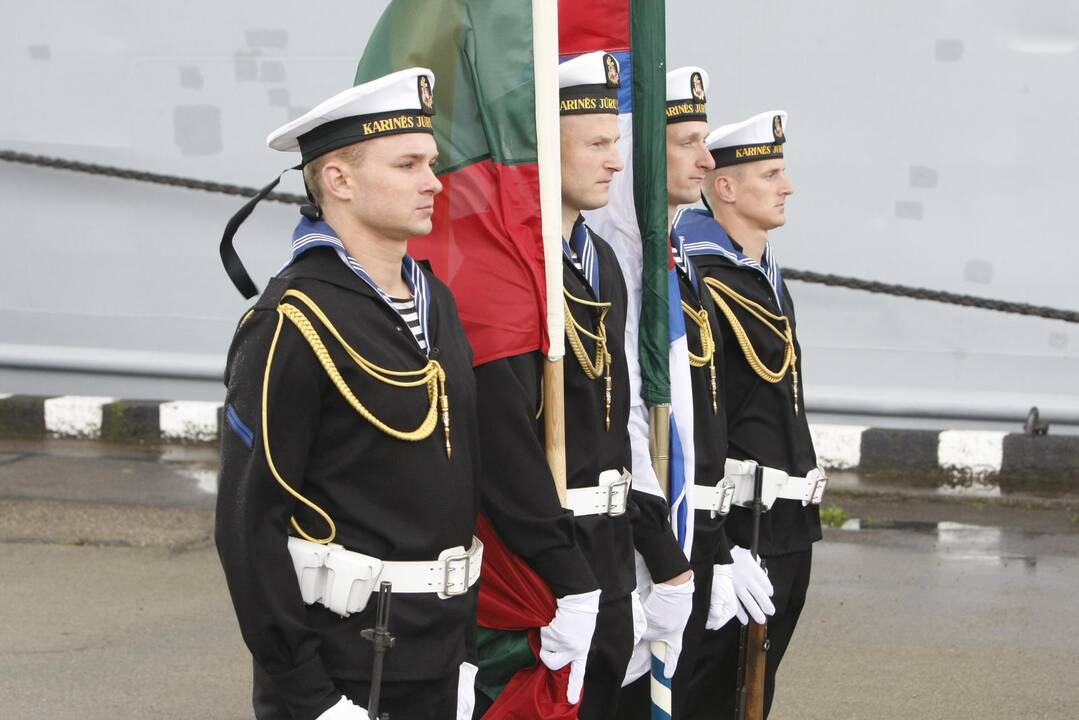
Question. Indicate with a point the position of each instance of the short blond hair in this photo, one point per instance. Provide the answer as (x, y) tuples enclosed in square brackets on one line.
[(735, 172), (351, 155)]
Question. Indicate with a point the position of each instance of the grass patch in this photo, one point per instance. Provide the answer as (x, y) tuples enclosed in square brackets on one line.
[(833, 516)]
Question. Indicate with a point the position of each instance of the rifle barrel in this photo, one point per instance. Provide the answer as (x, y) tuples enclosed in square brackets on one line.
[(382, 639), (758, 507)]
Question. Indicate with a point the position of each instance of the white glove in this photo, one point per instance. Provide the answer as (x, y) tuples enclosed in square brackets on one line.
[(345, 709), (752, 586), (640, 622), (640, 662), (723, 604), (568, 638), (466, 690), (667, 609)]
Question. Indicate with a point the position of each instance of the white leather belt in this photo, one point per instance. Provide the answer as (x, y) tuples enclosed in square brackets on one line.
[(716, 498), (343, 580), (609, 497), (808, 490)]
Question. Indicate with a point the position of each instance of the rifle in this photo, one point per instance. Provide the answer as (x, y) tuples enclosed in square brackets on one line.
[(753, 643), (383, 640)]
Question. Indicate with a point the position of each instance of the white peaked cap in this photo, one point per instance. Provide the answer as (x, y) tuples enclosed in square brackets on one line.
[(401, 102), (761, 137), (587, 69), (398, 96), (687, 92), (680, 83), (588, 84)]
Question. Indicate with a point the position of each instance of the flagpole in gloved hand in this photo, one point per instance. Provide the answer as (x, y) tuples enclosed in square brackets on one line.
[(660, 443), (567, 639)]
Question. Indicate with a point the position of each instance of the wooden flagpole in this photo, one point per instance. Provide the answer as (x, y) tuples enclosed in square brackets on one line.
[(545, 54), (659, 448)]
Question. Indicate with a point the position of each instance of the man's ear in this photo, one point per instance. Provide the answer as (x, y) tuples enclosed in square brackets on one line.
[(336, 180), (724, 188)]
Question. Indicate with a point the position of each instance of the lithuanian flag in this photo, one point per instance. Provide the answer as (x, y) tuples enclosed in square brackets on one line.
[(486, 244), (497, 244), (492, 66)]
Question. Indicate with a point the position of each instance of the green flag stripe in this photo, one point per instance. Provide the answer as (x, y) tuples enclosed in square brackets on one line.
[(484, 91), (647, 28)]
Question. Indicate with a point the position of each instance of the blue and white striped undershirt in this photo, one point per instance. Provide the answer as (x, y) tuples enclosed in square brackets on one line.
[(311, 234), (576, 261), (406, 308)]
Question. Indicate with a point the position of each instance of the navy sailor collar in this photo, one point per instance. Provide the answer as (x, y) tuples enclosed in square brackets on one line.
[(318, 233), (683, 263), (580, 250), (700, 234)]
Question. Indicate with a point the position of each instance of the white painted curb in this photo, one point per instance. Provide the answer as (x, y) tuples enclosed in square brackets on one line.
[(75, 416), (839, 447), (979, 452), (189, 420)]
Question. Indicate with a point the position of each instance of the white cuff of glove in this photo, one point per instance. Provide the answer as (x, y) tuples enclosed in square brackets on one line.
[(640, 622), (752, 586), (345, 709), (667, 610), (568, 637), (723, 604)]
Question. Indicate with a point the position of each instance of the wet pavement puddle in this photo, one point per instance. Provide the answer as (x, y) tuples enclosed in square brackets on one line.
[(205, 480), (960, 541)]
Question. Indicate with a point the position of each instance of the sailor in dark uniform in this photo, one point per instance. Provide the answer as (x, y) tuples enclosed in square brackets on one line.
[(351, 440), (766, 422), (589, 561), (714, 599)]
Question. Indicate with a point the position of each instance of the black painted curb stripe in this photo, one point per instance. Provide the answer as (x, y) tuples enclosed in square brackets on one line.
[(131, 420), (900, 449), (22, 416)]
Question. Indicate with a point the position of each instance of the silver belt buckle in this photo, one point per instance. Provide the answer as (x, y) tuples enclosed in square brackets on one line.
[(816, 491), (451, 587), (726, 496), (617, 492)]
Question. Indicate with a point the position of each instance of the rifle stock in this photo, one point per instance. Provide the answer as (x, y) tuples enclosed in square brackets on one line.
[(753, 642), (754, 647)]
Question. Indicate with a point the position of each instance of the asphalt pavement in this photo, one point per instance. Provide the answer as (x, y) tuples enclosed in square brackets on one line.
[(934, 603)]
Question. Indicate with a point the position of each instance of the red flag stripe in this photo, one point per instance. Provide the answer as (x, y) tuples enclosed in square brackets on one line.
[(590, 26), (484, 247)]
